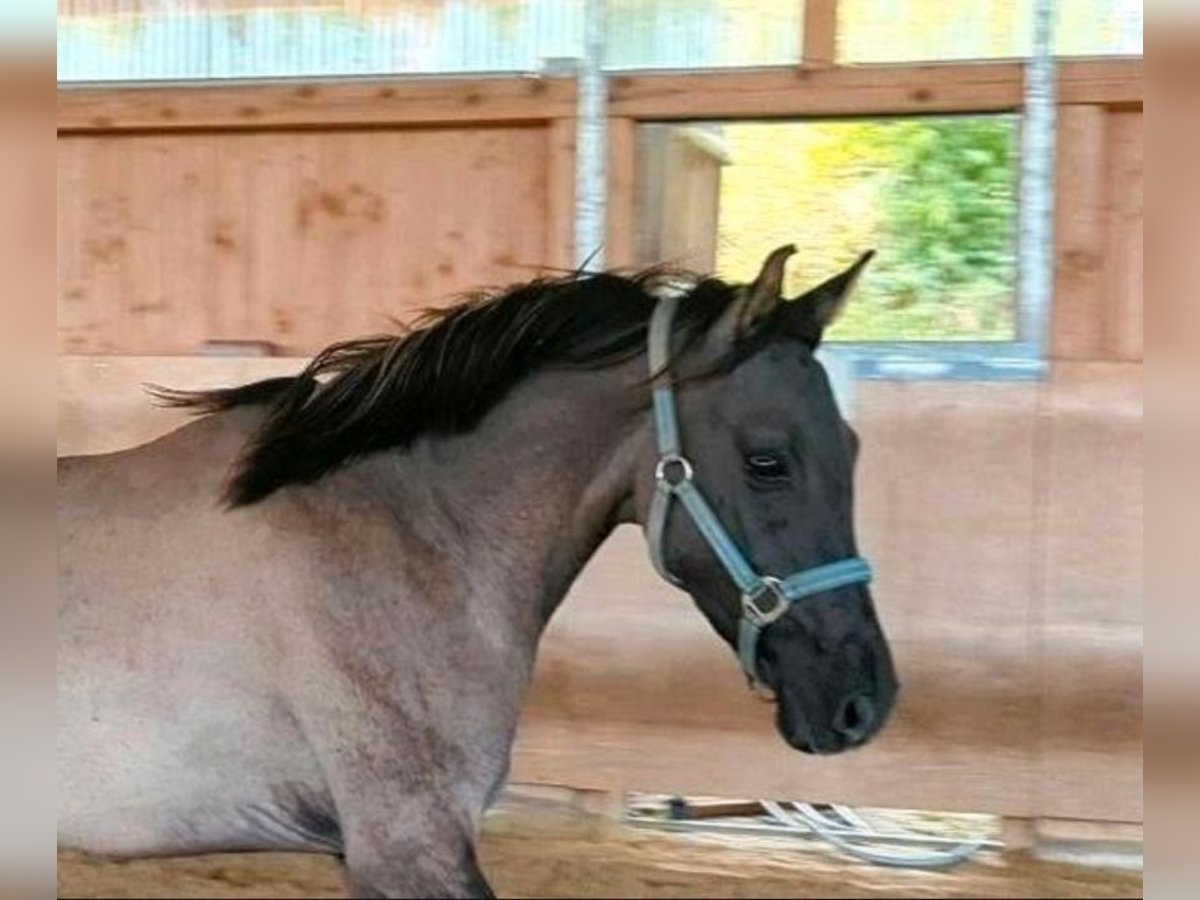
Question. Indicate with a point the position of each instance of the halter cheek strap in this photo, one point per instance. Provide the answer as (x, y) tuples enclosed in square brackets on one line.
[(764, 598)]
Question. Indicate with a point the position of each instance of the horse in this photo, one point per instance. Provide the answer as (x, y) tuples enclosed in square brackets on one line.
[(305, 619)]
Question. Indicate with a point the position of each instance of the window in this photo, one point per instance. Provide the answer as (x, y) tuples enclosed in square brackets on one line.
[(146, 40), (875, 31), (1099, 27), (935, 196), (701, 34), (153, 40)]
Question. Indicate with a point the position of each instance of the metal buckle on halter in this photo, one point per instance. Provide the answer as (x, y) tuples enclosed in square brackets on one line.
[(672, 459), (756, 613)]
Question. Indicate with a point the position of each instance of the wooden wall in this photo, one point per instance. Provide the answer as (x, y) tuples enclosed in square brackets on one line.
[(272, 229), (677, 195), (1098, 289), (167, 241)]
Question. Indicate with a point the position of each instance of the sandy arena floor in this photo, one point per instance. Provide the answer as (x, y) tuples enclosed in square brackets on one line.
[(539, 848)]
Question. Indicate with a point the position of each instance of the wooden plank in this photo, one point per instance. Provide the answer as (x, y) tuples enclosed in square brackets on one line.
[(784, 91), (106, 239), (1114, 82), (801, 91), (650, 140), (273, 235), (227, 241), (297, 239), (408, 276), (690, 211), (517, 212), (862, 90), (482, 204), (318, 208), (1123, 334), (677, 197), (275, 232), (76, 306), (187, 191), (1081, 280), (338, 213), (819, 45), (621, 173), (141, 311), (560, 193), (398, 101), (369, 294)]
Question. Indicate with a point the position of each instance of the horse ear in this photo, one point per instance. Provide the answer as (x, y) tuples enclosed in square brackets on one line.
[(808, 315), (759, 299), (766, 291)]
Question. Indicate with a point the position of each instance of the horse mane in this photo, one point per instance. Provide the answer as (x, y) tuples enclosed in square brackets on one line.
[(445, 372)]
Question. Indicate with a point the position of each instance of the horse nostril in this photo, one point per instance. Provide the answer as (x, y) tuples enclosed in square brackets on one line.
[(855, 717)]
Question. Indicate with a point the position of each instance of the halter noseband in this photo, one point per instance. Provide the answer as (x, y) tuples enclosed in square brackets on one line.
[(764, 597)]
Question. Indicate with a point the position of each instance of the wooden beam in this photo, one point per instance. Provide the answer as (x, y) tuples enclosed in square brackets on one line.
[(1124, 175), (780, 92), (1081, 283), (621, 171), (1111, 82), (819, 46), (863, 90), (560, 193), (804, 91), (314, 104)]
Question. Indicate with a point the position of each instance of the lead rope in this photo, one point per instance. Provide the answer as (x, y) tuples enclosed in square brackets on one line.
[(839, 826), (805, 816)]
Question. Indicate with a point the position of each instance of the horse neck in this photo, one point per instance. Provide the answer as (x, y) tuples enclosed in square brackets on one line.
[(521, 502)]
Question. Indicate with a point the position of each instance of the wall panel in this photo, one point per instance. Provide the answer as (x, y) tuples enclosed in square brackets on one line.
[(169, 240)]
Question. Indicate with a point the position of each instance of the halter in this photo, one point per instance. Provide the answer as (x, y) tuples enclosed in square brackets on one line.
[(765, 598)]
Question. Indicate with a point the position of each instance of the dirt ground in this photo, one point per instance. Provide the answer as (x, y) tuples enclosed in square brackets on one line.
[(538, 848)]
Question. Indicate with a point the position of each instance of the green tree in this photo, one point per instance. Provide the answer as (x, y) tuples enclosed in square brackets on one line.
[(946, 193), (935, 196)]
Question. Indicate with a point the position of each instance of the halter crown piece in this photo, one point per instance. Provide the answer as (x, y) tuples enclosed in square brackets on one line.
[(765, 598)]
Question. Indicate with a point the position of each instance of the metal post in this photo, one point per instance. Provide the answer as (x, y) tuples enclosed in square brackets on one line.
[(591, 145), (1035, 267), (1035, 270)]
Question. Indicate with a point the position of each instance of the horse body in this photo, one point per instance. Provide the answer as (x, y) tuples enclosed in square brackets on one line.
[(164, 686), (334, 660), (247, 679)]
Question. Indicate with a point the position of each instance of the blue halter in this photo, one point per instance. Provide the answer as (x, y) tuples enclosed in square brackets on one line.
[(764, 597)]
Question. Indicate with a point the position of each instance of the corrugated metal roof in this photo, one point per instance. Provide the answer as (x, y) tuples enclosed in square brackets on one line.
[(135, 40)]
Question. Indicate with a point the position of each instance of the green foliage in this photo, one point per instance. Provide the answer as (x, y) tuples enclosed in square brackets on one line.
[(946, 194), (935, 197)]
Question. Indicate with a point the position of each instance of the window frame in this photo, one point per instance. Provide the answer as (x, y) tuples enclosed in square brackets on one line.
[(1015, 358), (810, 93)]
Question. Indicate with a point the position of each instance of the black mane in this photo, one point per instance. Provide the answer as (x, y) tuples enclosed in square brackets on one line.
[(445, 373)]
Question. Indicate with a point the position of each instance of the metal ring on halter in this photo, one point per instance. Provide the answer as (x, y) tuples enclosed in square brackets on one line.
[(672, 459), (757, 614)]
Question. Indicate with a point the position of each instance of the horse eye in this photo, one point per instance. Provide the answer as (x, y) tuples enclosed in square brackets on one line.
[(766, 466)]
